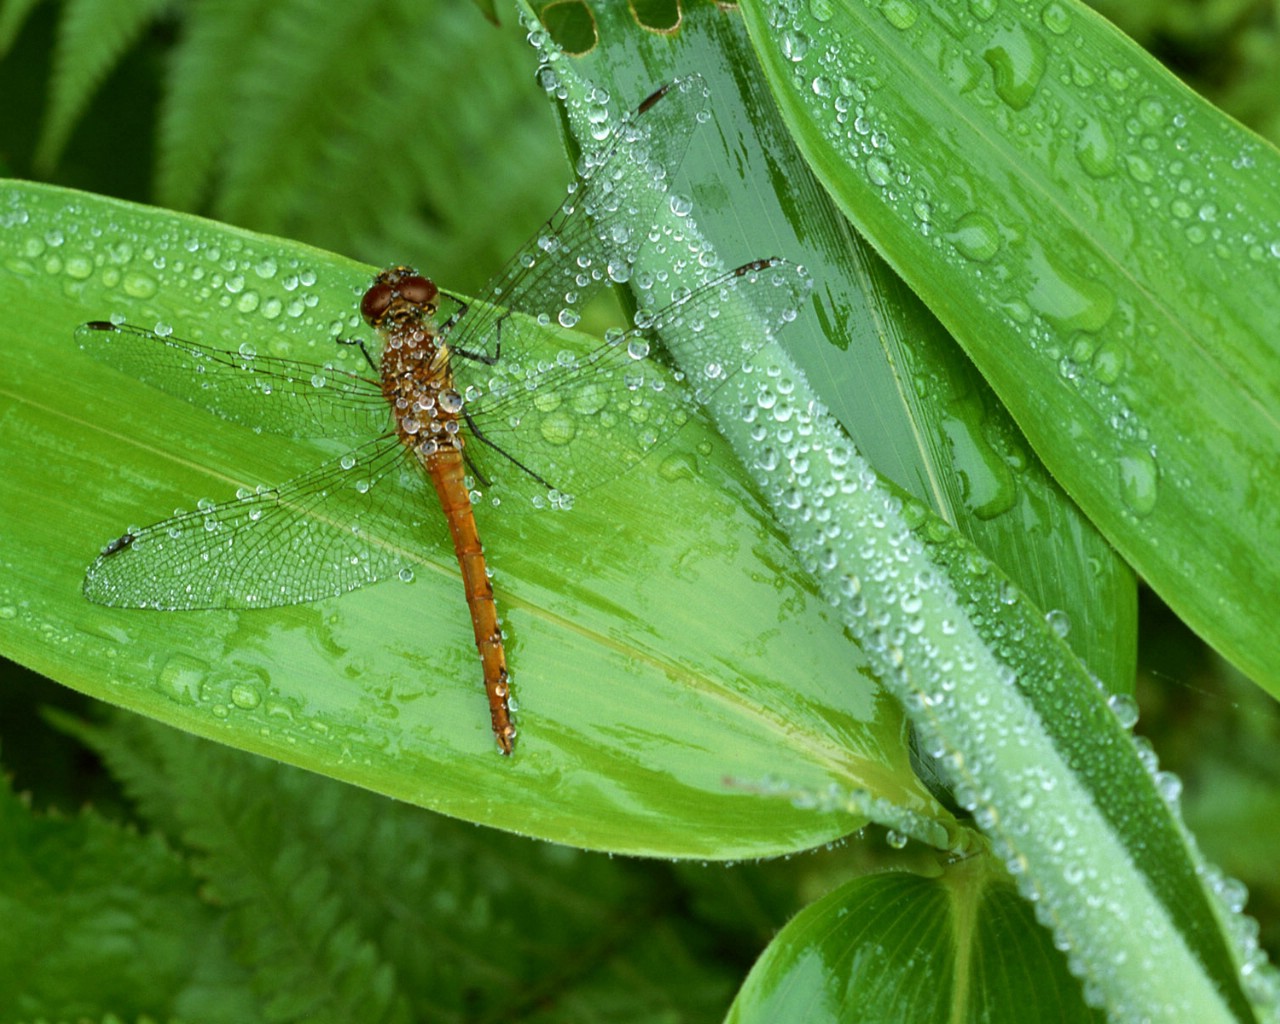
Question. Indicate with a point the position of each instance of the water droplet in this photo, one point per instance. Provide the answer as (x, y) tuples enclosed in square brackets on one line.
[(1070, 301), (1017, 61), (878, 171), (678, 466), (1139, 168), (1095, 149), (246, 696), (450, 401), (1056, 18), (139, 286), (558, 427), (975, 237), (1125, 708), (899, 13), (1059, 621), (78, 267), (794, 46), (1138, 481), (1108, 363), (181, 678)]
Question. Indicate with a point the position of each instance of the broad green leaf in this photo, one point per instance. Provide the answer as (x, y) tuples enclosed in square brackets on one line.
[(886, 368), (898, 947), (662, 639), (1012, 720), (1102, 242)]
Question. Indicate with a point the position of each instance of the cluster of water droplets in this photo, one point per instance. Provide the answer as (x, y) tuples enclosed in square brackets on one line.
[(877, 561), (1059, 106), (153, 269), (878, 565), (903, 823)]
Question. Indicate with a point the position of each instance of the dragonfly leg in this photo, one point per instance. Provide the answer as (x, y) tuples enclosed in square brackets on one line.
[(471, 468), (478, 435), (481, 357), (359, 343), (457, 315)]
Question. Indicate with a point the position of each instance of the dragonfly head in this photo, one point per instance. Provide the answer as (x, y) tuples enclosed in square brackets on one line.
[(399, 295)]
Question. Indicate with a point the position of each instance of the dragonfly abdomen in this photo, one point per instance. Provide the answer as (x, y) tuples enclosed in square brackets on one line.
[(448, 474)]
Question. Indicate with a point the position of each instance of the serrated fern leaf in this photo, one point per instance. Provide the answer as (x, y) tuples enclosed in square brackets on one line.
[(383, 115), (295, 933), (92, 37), (198, 109), (294, 84), (346, 905), (13, 15), (99, 920)]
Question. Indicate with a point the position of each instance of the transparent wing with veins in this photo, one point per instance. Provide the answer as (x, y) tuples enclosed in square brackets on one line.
[(570, 426), (595, 236), (351, 521), (582, 421), (281, 396), (590, 241)]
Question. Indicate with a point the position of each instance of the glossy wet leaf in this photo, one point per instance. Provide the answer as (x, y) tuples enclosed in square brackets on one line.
[(1008, 716), (641, 713), (876, 355), (1101, 241), (896, 947)]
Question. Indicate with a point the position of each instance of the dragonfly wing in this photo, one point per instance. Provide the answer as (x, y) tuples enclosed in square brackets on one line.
[(585, 420), (593, 239), (282, 396), (351, 521)]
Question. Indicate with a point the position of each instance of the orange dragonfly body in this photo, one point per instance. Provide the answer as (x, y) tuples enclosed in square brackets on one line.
[(470, 396), (418, 384)]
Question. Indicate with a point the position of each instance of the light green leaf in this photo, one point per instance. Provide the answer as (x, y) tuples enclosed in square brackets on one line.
[(898, 947), (1008, 716), (668, 655), (1102, 242), (878, 358)]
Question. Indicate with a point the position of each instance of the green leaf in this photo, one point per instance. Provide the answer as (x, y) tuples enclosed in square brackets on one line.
[(317, 120), (342, 905), (13, 16), (874, 353), (898, 947), (1104, 245), (1011, 720), (661, 638)]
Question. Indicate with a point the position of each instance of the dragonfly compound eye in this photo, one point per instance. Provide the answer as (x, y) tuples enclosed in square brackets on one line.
[(418, 290), (375, 302)]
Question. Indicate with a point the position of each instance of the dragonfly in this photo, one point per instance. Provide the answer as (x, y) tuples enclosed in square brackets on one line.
[(462, 397)]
